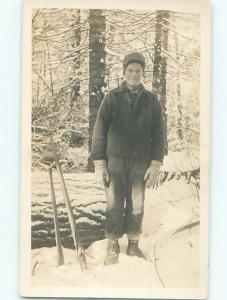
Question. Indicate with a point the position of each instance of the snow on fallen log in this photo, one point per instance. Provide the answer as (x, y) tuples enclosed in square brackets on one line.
[(88, 206)]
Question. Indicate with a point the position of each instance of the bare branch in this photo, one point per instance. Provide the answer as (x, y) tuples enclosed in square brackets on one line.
[(156, 268), (181, 54), (35, 15), (187, 128), (135, 37), (185, 227), (70, 29), (179, 33), (43, 80)]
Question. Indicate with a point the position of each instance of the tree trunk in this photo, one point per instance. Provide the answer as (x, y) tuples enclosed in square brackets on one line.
[(49, 61), (160, 64), (179, 104), (76, 43), (97, 57)]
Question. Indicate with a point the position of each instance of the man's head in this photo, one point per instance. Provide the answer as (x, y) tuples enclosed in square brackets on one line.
[(134, 57), (133, 68)]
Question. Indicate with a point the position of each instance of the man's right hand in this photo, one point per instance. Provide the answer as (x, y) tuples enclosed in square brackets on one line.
[(101, 173)]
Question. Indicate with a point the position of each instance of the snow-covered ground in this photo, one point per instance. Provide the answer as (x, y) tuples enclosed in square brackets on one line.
[(174, 262), (171, 246)]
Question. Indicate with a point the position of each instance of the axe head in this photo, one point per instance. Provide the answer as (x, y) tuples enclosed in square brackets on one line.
[(47, 157)]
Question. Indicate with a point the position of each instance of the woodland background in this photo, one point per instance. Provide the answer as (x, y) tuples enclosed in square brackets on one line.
[(76, 59)]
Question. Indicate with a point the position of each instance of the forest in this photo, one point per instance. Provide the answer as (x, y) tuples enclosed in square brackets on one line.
[(76, 59)]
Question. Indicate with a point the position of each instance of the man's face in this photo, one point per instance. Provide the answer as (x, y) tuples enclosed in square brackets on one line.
[(133, 74)]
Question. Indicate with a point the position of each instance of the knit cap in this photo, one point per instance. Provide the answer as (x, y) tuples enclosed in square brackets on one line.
[(134, 57)]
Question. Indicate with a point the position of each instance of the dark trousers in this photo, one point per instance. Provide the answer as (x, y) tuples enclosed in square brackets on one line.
[(125, 197)]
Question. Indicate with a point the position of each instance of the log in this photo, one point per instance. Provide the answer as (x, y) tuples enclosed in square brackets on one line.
[(90, 226)]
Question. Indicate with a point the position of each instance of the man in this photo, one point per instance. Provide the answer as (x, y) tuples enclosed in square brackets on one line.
[(127, 149)]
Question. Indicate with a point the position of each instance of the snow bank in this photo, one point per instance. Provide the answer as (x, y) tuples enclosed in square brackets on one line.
[(181, 161), (173, 258)]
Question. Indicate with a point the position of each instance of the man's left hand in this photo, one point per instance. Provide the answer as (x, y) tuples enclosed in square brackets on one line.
[(152, 173)]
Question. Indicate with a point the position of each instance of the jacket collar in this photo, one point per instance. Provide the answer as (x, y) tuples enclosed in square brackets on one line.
[(123, 87)]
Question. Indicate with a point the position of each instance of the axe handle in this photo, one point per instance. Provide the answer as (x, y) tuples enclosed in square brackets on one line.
[(72, 222), (56, 224), (66, 196)]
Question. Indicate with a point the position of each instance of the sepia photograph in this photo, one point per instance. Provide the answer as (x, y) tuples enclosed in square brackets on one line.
[(115, 149)]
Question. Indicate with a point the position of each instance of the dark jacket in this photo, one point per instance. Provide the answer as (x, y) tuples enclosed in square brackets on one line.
[(123, 130)]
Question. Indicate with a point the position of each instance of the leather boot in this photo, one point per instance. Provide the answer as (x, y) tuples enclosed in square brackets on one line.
[(134, 250), (112, 253)]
